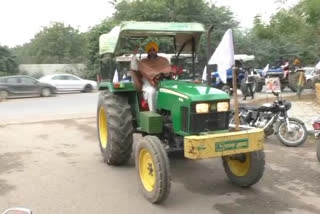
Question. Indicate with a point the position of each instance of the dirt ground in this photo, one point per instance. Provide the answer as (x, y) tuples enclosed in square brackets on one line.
[(56, 167)]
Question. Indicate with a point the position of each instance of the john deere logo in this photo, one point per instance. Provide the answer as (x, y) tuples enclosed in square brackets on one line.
[(232, 145)]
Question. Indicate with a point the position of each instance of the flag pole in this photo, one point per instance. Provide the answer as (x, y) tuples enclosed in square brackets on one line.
[(209, 80), (235, 97)]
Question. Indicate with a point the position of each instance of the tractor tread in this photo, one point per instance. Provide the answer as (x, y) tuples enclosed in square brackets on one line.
[(161, 161), (120, 129), (257, 165)]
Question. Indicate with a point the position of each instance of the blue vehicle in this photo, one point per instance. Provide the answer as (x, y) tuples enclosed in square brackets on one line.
[(242, 75), (227, 87)]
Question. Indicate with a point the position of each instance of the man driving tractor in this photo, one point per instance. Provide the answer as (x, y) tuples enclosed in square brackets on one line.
[(144, 75)]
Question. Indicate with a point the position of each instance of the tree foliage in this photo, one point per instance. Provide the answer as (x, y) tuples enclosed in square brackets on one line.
[(57, 43), (291, 33), (8, 64)]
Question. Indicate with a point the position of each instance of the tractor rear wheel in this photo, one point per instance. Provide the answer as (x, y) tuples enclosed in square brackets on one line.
[(115, 130), (259, 87), (226, 89), (244, 169), (293, 80), (152, 164)]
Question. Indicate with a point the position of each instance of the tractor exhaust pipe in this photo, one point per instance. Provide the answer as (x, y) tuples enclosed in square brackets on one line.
[(209, 52)]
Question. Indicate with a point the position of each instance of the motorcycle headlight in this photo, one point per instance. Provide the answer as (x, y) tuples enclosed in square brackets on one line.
[(202, 108), (223, 106)]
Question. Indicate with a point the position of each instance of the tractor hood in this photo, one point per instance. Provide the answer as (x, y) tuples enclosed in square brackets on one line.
[(192, 91)]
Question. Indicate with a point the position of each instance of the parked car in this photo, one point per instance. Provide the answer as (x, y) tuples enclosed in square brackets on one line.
[(312, 76), (23, 86), (69, 82)]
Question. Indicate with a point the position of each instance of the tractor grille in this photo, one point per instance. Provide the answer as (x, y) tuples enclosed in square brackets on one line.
[(209, 122), (194, 123)]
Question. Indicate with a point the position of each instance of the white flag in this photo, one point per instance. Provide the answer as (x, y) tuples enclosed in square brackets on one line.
[(318, 65), (223, 56), (115, 76), (265, 70), (204, 74)]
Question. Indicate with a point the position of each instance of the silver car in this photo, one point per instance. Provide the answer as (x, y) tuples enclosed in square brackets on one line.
[(69, 82), (312, 76)]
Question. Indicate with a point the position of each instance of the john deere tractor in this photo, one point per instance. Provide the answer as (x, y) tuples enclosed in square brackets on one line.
[(190, 117)]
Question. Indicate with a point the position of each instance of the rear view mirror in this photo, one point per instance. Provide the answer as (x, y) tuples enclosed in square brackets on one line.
[(17, 211)]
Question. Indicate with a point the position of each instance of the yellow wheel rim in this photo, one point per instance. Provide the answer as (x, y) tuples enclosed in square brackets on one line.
[(103, 128), (239, 166), (147, 170)]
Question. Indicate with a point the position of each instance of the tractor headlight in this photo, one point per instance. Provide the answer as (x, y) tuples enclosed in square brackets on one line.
[(202, 108), (223, 106)]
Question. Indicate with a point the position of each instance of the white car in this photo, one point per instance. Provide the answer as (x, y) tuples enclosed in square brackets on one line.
[(312, 76), (69, 82)]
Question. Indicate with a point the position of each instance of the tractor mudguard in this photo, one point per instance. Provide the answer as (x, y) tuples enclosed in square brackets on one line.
[(117, 87)]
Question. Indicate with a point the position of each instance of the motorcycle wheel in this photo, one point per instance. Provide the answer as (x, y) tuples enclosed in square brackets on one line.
[(296, 137)]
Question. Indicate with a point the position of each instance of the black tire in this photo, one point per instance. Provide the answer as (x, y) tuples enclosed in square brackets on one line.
[(87, 89), (159, 169), (46, 92), (254, 84), (244, 89), (226, 89), (259, 87), (293, 81), (318, 151), (251, 174), (281, 128), (3, 95), (116, 144)]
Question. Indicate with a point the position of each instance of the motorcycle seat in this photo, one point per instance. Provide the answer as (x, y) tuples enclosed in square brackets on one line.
[(264, 107)]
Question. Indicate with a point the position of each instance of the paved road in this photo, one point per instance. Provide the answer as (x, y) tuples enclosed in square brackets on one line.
[(72, 105), (56, 167)]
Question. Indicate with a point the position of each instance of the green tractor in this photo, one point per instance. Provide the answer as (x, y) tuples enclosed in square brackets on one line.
[(191, 118)]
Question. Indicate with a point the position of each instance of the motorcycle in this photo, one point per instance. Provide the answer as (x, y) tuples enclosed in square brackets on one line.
[(316, 127), (17, 210), (273, 118)]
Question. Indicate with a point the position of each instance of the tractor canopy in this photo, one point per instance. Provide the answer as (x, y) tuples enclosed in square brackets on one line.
[(186, 35)]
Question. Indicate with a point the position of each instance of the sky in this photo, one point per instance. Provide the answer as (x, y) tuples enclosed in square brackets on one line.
[(20, 20)]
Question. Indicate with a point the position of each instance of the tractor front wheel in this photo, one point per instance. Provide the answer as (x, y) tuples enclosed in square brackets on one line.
[(152, 164), (115, 130), (244, 169)]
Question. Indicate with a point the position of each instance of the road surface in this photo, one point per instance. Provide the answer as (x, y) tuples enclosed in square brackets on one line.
[(61, 106), (55, 167)]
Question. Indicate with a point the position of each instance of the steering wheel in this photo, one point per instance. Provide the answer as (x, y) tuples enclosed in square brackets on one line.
[(167, 76)]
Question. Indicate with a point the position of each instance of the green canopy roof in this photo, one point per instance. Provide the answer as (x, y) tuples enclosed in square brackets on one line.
[(182, 32)]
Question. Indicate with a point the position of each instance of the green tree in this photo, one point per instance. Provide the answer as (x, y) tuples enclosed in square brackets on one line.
[(291, 33), (57, 43), (8, 64)]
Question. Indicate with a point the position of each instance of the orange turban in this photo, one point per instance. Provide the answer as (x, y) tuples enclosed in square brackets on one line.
[(152, 45)]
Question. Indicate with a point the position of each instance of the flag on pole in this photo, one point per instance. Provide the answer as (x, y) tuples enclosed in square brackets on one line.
[(204, 74), (318, 65), (115, 76), (223, 56), (265, 70)]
